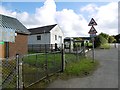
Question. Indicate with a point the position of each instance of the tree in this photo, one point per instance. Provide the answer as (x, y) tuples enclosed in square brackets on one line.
[(111, 39), (106, 36), (117, 37), (99, 40)]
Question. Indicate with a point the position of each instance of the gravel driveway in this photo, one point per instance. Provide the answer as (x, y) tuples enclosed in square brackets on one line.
[(106, 76)]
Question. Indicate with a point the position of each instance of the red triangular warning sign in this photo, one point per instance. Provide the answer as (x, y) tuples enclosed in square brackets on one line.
[(92, 22), (92, 30)]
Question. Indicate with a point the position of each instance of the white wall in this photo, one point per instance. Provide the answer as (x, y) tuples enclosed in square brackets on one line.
[(56, 31), (45, 39), (48, 38)]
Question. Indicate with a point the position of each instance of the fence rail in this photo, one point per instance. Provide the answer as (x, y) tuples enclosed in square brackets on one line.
[(38, 48)]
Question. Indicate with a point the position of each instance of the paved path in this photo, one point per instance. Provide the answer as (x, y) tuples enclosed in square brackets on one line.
[(106, 76)]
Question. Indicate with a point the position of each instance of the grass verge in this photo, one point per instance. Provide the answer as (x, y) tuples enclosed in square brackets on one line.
[(81, 68)]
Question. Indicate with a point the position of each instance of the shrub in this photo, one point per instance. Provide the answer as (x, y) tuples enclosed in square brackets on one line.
[(99, 40)]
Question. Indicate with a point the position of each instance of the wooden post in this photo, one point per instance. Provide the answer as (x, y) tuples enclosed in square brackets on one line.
[(19, 72), (20, 75), (63, 59)]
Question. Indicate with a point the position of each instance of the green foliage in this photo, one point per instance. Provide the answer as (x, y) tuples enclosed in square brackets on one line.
[(99, 40), (111, 39), (117, 37), (77, 38), (81, 68), (76, 45), (105, 46), (106, 36)]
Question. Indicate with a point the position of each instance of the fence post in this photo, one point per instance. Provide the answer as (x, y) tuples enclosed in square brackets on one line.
[(19, 72), (84, 50), (77, 52), (63, 59), (46, 62)]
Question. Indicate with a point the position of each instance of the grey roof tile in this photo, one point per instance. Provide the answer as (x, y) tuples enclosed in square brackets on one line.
[(40, 30), (13, 23)]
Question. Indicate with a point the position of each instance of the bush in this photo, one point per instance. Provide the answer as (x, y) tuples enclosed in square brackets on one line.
[(105, 46), (99, 40)]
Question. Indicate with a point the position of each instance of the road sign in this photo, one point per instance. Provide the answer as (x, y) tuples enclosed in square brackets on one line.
[(92, 30), (7, 35), (92, 22), (92, 35), (1, 43)]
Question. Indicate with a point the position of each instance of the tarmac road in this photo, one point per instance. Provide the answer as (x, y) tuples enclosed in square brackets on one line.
[(106, 76)]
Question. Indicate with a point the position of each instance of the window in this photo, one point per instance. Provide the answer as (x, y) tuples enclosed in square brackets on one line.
[(39, 37), (55, 37)]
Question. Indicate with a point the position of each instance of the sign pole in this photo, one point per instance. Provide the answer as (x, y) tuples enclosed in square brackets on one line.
[(93, 50), (92, 33)]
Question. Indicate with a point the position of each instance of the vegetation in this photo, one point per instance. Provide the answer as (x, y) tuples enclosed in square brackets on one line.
[(117, 38), (83, 67), (79, 68), (102, 40), (111, 39), (106, 36), (105, 46)]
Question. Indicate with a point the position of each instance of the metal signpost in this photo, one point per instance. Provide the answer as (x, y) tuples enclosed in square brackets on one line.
[(92, 33)]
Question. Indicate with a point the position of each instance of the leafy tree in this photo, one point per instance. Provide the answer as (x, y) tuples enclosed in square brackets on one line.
[(106, 36), (117, 37), (99, 40), (111, 39)]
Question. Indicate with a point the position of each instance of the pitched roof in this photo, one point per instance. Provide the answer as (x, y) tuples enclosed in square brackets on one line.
[(13, 23), (41, 30)]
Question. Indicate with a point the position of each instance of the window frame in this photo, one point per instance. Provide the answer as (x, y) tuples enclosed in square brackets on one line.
[(38, 37)]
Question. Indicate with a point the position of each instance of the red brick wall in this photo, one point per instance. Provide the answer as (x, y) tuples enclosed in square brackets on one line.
[(2, 51), (20, 46)]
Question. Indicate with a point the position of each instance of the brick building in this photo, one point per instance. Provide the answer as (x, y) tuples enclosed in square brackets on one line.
[(10, 49)]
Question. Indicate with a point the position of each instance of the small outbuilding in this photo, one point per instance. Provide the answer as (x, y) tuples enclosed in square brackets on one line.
[(20, 45)]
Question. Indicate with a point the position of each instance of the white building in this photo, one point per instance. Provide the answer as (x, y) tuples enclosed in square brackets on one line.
[(50, 34)]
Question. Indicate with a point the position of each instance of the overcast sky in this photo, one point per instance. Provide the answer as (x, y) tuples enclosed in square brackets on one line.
[(72, 17)]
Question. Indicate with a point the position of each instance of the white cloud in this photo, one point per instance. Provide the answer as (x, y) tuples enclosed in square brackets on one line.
[(72, 24), (91, 8), (106, 16)]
